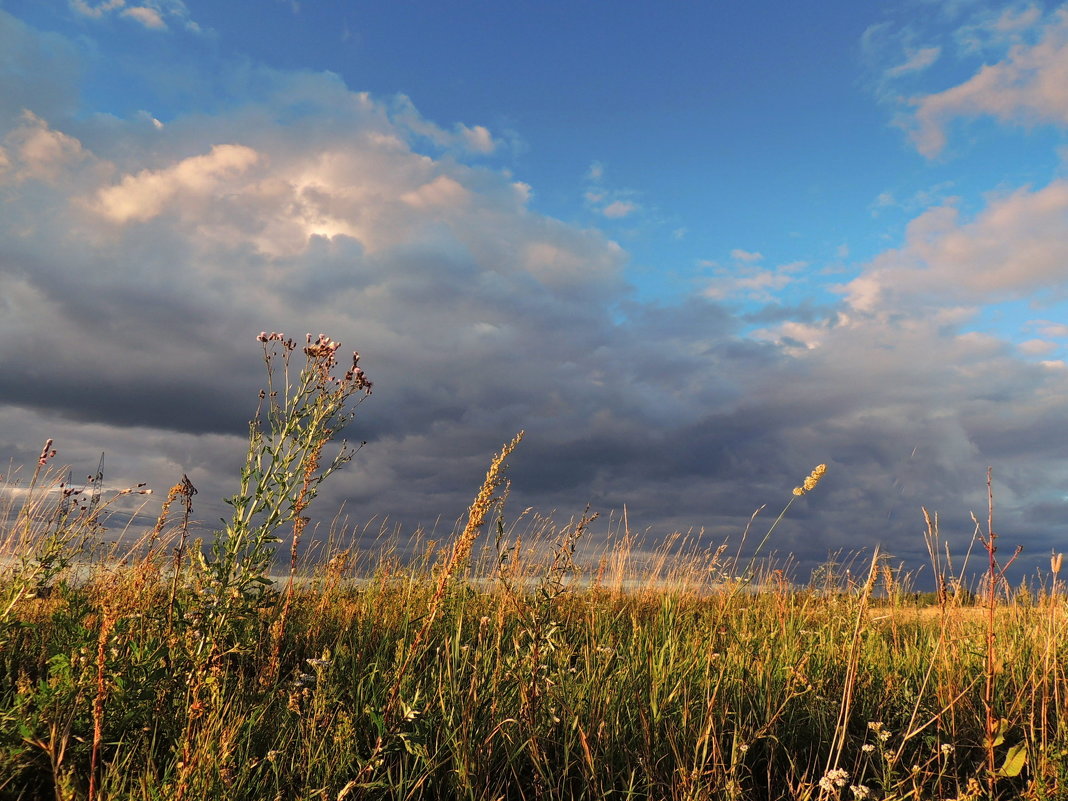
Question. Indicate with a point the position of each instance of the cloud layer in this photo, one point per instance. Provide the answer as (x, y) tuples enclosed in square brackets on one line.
[(138, 261)]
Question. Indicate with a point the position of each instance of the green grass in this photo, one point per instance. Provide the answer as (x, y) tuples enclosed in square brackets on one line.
[(532, 667)]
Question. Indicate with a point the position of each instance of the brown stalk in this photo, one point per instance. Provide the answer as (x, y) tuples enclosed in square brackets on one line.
[(185, 490), (106, 625), (995, 575)]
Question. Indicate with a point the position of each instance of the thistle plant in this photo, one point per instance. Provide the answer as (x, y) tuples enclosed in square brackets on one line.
[(295, 420)]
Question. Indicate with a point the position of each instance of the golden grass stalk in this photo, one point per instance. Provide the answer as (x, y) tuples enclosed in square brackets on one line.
[(461, 551)]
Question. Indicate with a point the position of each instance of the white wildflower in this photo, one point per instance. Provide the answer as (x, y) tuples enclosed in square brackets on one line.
[(836, 777), (878, 730)]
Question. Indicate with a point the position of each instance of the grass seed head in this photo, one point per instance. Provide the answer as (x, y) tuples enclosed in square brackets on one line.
[(812, 480)]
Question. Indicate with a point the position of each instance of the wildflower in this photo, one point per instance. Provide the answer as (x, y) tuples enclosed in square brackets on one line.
[(836, 777), (867, 748), (947, 749), (860, 790), (812, 480), (878, 730)]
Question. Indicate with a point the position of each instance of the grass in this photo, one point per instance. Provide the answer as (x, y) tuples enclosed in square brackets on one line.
[(516, 662)]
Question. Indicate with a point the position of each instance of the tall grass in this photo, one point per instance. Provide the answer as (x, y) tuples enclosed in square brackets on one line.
[(522, 662)]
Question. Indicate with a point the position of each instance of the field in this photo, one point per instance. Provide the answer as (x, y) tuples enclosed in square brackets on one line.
[(511, 662)]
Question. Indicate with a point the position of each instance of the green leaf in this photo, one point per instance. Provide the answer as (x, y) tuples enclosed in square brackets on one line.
[(1015, 759), (1000, 732)]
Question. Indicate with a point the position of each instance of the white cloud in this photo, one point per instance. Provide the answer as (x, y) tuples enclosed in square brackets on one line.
[(618, 209), (895, 55), (747, 256), (149, 17), (752, 282), (151, 14), (96, 11), (462, 138), (1016, 247), (41, 152), (143, 196), (1050, 329), (917, 61), (478, 139), (996, 28), (1030, 85), (613, 204), (442, 192), (1037, 347), (921, 199)]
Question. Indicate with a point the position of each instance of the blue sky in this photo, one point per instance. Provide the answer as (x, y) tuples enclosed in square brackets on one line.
[(694, 249)]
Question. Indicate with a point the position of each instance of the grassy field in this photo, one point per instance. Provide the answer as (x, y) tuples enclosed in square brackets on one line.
[(511, 662)]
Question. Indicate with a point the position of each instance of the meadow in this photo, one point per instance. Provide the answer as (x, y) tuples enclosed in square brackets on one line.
[(518, 659)]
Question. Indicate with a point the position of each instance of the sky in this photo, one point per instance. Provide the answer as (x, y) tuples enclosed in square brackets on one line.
[(692, 249)]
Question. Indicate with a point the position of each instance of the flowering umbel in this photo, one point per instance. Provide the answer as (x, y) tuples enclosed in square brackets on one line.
[(812, 480)]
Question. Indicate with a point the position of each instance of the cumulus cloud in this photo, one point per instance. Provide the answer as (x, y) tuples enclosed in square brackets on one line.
[(478, 138), (1028, 86), (40, 152)]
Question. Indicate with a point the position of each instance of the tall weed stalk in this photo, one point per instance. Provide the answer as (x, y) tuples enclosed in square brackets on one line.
[(297, 418)]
